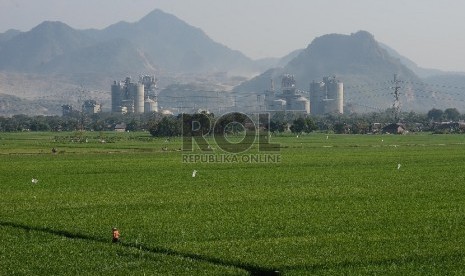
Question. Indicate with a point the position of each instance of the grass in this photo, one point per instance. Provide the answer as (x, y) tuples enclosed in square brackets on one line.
[(333, 205)]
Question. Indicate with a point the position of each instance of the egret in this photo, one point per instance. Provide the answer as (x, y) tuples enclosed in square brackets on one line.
[(194, 173)]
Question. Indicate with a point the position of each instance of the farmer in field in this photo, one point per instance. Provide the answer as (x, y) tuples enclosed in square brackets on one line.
[(115, 233)]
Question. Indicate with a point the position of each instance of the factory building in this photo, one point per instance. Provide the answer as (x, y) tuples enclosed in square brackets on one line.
[(327, 96), (289, 99), (66, 109), (150, 92), (91, 107), (150, 106), (130, 97), (127, 97)]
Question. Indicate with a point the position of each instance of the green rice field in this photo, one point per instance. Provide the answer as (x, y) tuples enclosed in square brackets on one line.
[(332, 205)]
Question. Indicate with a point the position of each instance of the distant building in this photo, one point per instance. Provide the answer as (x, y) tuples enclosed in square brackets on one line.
[(150, 93), (289, 99), (66, 109), (91, 107), (395, 128), (120, 127), (127, 97), (130, 97), (327, 96), (150, 105)]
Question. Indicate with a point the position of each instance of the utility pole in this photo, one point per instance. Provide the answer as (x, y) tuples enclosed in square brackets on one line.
[(396, 104)]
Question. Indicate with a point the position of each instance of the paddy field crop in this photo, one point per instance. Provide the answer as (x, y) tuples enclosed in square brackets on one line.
[(336, 204)]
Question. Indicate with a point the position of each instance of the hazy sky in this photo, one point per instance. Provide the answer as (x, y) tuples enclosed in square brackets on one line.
[(430, 32)]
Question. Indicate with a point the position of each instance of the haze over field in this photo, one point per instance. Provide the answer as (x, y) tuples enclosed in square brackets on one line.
[(72, 52), (428, 32)]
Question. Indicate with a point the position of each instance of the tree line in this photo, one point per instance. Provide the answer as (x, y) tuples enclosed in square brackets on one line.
[(435, 120)]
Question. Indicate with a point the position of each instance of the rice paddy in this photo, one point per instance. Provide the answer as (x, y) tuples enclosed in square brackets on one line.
[(334, 204)]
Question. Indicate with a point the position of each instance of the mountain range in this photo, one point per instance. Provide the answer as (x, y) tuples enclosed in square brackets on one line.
[(159, 41), (161, 44), (358, 60)]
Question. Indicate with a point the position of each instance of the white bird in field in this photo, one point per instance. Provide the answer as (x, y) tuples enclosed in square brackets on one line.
[(194, 173), (34, 181), (398, 166)]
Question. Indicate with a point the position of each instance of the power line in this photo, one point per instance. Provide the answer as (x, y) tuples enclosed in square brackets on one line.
[(363, 94)]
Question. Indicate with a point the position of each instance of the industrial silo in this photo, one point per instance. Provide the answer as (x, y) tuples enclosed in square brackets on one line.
[(150, 106), (330, 99), (329, 106), (327, 96), (139, 98), (127, 94), (316, 97), (301, 104), (279, 105), (134, 97), (116, 97), (334, 93), (340, 97), (269, 98), (331, 87), (127, 106)]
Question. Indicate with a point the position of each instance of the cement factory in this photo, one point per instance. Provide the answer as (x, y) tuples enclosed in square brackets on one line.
[(89, 107), (289, 100), (130, 97), (326, 96), (323, 97)]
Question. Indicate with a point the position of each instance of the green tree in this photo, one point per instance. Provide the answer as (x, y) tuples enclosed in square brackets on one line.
[(310, 125), (435, 114), (39, 123), (452, 114), (133, 125), (277, 126), (198, 123), (360, 127), (306, 125), (298, 125), (168, 126), (339, 128), (232, 123)]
